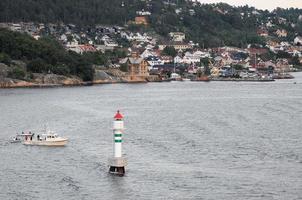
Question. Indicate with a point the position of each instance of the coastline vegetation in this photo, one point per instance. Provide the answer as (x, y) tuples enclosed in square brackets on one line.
[(46, 55)]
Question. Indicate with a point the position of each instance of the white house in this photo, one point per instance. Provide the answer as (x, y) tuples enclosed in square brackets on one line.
[(298, 40), (191, 58), (153, 61), (178, 59), (63, 38), (105, 38), (143, 13), (177, 36), (147, 53)]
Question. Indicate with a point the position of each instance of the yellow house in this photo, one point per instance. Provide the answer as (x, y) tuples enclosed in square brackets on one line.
[(141, 20), (137, 68)]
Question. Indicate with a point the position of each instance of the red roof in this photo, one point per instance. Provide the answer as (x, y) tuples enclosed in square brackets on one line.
[(118, 115)]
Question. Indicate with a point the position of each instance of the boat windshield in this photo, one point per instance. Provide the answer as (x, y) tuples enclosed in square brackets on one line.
[(50, 135)]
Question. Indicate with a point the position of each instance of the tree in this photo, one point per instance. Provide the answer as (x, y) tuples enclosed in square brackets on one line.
[(205, 61), (238, 67), (17, 73), (124, 67), (169, 51), (4, 58)]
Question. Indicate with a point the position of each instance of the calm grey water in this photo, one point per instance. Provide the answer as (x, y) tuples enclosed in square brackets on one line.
[(184, 140)]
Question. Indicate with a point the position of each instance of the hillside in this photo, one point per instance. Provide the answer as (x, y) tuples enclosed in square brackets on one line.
[(209, 25)]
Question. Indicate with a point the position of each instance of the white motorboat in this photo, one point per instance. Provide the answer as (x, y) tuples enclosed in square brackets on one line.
[(47, 139)]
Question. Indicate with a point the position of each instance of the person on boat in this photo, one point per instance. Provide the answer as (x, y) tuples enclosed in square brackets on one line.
[(38, 137)]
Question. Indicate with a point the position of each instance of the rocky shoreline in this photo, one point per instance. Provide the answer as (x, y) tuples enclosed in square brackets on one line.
[(111, 76), (101, 77)]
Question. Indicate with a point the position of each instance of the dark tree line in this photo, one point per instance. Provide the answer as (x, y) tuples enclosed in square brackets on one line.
[(48, 56), (210, 25)]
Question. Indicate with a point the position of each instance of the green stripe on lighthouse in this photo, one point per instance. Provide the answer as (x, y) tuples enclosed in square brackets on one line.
[(117, 135), (118, 141)]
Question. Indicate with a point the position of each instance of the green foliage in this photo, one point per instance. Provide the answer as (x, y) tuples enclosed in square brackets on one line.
[(124, 68), (207, 70), (205, 61), (4, 58), (38, 66), (211, 26), (47, 55), (169, 51), (238, 67), (17, 73), (283, 54), (296, 62), (268, 56)]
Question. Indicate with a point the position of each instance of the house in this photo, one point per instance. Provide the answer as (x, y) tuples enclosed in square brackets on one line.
[(281, 33), (177, 46), (298, 41), (177, 36), (143, 13), (192, 69), (282, 65), (262, 32), (282, 20), (141, 20), (191, 58), (80, 49), (147, 53), (63, 38), (15, 27), (269, 24), (110, 44), (167, 59), (178, 59), (191, 12), (178, 11), (36, 36), (153, 60), (137, 67), (125, 35)]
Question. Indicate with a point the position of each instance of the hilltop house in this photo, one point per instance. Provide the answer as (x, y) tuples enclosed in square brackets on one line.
[(177, 36), (143, 12), (262, 32), (141, 20), (177, 46)]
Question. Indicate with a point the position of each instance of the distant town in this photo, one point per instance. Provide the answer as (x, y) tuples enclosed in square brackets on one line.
[(150, 57)]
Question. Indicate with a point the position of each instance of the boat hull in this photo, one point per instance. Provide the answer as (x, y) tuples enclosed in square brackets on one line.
[(45, 143)]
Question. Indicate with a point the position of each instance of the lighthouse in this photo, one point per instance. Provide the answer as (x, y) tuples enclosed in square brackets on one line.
[(117, 163)]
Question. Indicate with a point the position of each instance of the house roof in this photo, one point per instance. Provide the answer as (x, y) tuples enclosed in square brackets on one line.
[(135, 60)]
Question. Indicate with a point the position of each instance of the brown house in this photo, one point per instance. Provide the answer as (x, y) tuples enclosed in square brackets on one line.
[(141, 20), (137, 68)]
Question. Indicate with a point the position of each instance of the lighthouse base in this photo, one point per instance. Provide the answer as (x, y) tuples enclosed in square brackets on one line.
[(119, 171), (117, 166)]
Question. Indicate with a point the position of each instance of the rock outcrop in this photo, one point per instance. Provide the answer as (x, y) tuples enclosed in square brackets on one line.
[(54, 79)]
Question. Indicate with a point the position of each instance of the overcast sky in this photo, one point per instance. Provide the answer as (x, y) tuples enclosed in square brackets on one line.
[(261, 4)]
